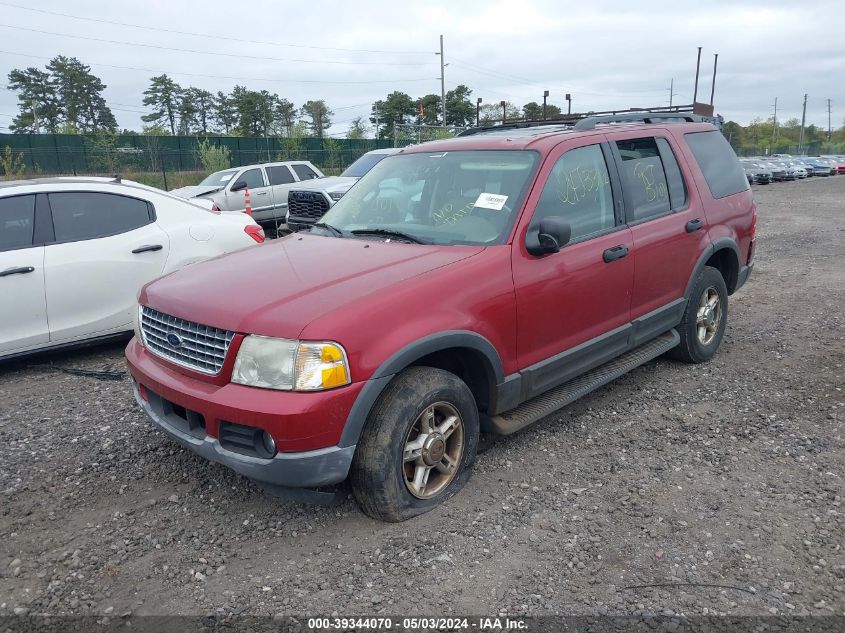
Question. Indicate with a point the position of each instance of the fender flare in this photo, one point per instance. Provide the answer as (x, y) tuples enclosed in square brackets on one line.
[(720, 244), (406, 356)]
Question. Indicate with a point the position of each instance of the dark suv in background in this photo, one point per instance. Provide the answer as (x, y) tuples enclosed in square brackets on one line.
[(478, 283)]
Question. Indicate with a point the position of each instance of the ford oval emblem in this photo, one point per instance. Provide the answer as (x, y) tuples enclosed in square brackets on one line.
[(174, 339)]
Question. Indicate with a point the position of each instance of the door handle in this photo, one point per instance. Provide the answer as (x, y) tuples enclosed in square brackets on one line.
[(617, 252), (147, 248), (694, 225), (261, 193), (16, 271)]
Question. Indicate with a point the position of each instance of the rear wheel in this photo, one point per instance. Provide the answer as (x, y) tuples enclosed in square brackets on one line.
[(418, 445), (705, 318)]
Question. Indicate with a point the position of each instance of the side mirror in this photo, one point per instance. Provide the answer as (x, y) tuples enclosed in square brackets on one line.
[(239, 185), (548, 235)]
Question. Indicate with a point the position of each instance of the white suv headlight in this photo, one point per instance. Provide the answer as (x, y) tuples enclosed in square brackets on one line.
[(336, 195), (275, 363)]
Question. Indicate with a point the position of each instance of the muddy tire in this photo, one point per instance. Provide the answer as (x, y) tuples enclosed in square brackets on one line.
[(705, 318), (417, 447)]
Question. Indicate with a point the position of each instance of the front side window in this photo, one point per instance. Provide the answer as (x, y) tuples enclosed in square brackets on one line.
[(279, 175), (460, 197), (84, 215), (305, 172), (578, 190), (17, 222), (253, 178)]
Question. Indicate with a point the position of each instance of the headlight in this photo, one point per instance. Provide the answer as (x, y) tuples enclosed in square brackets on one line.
[(275, 363), (136, 324), (336, 195)]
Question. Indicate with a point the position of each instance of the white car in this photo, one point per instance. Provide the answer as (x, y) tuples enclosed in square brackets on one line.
[(74, 252)]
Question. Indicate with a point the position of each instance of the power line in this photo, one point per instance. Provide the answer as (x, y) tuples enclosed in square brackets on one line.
[(214, 36), (215, 53), (232, 78)]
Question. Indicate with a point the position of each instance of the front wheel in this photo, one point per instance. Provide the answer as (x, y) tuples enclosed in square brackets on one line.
[(703, 324), (418, 445)]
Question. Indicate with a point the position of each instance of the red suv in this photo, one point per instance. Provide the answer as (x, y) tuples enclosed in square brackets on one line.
[(466, 285)]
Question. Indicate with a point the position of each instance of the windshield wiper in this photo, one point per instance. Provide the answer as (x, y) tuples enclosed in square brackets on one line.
[(332, 229), (391, 233)]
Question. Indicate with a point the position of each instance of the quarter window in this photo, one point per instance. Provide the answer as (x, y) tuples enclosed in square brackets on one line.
[(253, 178), (305, 172), (84, 215), (578, 190), (718, 163), (17, 220), (279, 175), (644, 179)]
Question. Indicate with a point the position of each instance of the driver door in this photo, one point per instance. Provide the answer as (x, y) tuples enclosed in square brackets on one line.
[(260, 193), (573, 306)]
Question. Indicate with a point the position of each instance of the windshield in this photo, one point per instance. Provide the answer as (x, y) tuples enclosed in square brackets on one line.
[(363, 165), (219, 178), (462, 197)]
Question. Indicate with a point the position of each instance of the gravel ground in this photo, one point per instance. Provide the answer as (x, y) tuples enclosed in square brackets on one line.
[(728, 473)]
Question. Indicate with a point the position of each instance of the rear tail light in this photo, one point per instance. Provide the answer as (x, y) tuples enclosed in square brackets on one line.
[(255, 232), (753, 220)]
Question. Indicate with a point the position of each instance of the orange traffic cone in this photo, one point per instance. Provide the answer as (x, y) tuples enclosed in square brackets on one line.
[(247, 204)]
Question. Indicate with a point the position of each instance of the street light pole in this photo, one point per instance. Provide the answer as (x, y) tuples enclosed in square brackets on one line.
[(568, 103), (545, 95), (504, 116), (478, 112)]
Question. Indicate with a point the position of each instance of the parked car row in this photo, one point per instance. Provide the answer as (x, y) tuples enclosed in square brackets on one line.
[(763, 170)]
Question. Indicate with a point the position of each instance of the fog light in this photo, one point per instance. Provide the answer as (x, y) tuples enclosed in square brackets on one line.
[(268, 443)]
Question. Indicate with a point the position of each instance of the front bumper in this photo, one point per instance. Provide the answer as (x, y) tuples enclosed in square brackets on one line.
[(305, 426)]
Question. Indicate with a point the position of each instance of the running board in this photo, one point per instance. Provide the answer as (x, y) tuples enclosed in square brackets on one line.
[(544, 404)]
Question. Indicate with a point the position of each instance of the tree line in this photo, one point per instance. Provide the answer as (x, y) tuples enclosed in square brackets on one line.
[(66, 97)]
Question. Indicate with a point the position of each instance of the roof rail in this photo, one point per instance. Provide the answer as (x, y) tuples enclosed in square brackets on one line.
[(590, 122)]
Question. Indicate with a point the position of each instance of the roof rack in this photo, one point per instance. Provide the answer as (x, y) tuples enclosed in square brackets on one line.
[(697, 112)]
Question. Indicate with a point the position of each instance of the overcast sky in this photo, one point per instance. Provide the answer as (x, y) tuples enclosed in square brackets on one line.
[(606, 54)]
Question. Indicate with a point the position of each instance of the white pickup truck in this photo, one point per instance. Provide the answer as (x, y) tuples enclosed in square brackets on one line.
[(308, 203), (268, 185)]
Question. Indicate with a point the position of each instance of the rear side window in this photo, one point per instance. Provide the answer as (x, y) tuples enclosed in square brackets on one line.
[(674, 178), (578, 190), (645, 180), (718, 163), (253, 178), (84, 215), (17, 222), (305, 172), (279, 175)]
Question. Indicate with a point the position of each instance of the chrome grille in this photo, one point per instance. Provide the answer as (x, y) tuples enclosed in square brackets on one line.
[(191, 345)]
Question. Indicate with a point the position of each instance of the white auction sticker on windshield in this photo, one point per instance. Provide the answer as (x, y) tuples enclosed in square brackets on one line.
[(491, 201)]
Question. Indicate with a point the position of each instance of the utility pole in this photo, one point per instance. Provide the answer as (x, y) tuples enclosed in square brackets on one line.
[(375, 107), (35, 117), (504, 116), (442, 82), (828, 120), (697, 68), (671, 90), (478, 112), (568, 103), (803, 120), (713, 85), (545, 96), (775, 124)]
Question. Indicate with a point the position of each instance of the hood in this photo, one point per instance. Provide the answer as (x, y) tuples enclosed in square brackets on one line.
[(195, 191), (327, 184), (276, 289)]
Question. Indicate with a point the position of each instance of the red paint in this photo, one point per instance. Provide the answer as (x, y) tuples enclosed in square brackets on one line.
[(376, 298)]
